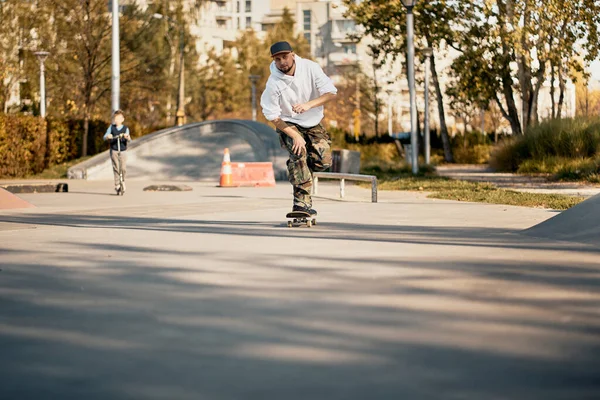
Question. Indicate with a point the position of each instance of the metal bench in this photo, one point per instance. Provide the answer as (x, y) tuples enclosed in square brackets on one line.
[(343, 178)]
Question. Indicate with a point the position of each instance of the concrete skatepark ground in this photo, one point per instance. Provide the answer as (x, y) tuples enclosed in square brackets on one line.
[(206, 295)]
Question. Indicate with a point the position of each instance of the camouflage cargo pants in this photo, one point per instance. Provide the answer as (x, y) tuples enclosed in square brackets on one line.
[(301, 167)]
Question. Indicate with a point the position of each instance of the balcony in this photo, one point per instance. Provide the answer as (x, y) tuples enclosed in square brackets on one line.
[(223, 11), (340, 58), (342, 37)]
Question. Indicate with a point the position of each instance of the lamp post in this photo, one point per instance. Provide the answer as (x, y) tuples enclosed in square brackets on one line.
[(42, 55), (116, 60), (410, 61), (427, 52), (253, 80), (180, 114)]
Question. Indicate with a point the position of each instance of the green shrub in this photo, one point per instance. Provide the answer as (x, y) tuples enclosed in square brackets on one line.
[(372, 153), (22, 145), (548, 146), (471, 148), (62, 146)]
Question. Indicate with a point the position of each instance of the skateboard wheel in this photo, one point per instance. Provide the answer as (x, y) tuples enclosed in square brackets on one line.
[(308, 224), (289, 224), (314, 221)]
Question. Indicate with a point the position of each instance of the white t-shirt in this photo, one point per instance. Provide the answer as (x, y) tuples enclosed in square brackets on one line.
[(283, 91)]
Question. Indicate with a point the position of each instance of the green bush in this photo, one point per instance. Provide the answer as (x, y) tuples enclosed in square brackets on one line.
[(22, 145), (62, 146), (550, 147), (471, 148), (30, 144), (372, 153)]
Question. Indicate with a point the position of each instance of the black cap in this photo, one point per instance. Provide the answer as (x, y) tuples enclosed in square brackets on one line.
[(280, 47)]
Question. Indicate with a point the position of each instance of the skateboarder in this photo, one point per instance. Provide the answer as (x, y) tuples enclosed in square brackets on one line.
[(293, 101), (118, 147)]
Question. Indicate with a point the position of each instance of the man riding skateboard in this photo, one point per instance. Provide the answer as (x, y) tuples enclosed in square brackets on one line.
[(293, 101)]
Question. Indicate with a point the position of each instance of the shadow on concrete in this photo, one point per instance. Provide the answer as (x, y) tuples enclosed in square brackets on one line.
[(114, 329), (325, 230)]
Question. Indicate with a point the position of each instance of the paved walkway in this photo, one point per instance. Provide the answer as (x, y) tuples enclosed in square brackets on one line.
[(524, 183), (207, 295)]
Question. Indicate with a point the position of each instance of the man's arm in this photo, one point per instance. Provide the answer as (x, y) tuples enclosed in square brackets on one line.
[(299, 143), (319, 101), (325, 86)]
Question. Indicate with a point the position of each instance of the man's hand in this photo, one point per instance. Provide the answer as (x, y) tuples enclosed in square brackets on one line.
[(109, 136), (127, 136), (301, 108), (299, 145)]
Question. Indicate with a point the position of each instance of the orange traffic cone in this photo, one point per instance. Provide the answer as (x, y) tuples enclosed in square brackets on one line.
[(226, 173)]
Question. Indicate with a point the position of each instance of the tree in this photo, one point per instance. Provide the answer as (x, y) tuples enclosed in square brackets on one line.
[(385, 22), (22, 32), (509, 45), (84, 31), (588, 99)]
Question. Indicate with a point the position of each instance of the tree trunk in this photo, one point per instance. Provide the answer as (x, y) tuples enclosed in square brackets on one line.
[(421, 139), (510, 113), (533, 109), (86, 130), (524, 69), (448, 157), (552, 80), (376, 101), (511, 108), (561, 96)]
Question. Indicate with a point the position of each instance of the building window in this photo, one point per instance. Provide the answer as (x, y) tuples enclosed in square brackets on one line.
[(346, 26), (349, 48), (307, 37), (248, 22), (248, 6), (221, 23), (306, 14), (238, 6)]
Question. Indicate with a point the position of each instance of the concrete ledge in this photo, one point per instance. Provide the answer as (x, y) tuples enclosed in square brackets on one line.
[(167, 188), (37, 188)]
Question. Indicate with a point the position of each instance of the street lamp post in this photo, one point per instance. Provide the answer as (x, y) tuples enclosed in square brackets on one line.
[(180, 114), (253, 80), (116, 60), (42, 55), (410, 61), (427, 52)]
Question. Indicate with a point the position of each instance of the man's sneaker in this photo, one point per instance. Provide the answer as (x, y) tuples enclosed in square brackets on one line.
[(305, 209), (300, 209), (118, 190)]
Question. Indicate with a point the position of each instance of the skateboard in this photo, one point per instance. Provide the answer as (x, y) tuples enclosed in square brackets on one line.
[(300, 218)]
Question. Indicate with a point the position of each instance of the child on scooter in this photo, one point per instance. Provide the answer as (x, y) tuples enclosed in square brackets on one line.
[(118, 136)]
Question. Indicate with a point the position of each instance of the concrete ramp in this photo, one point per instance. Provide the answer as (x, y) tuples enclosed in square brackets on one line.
[(578, 224), (10, 201), (191, 152)]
